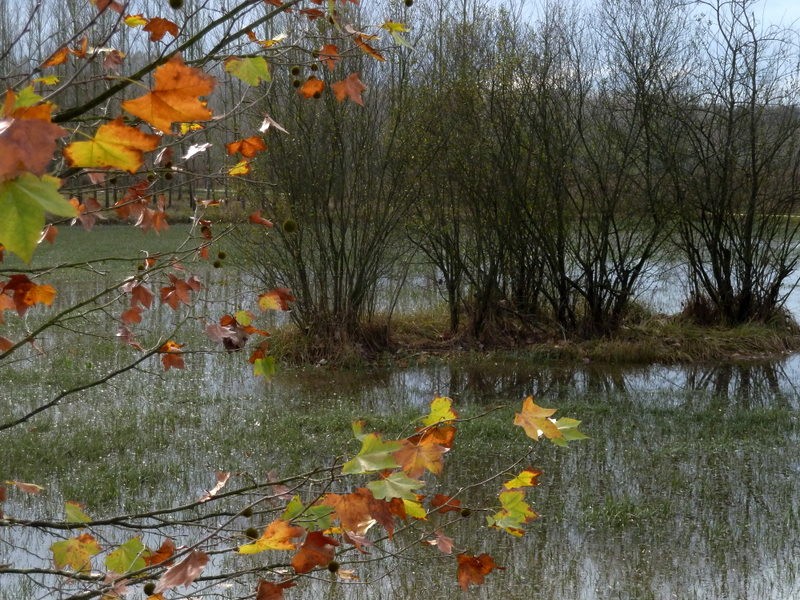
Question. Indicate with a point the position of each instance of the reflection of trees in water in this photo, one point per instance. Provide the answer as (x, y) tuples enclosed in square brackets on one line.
[(741, 385)]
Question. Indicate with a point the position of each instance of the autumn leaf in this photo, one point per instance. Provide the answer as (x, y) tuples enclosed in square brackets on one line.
[(349, 88), (23, 203), (473, 569), (312, 518), (442, 542), (317, 550), (395, 29), (114, 145), (252, 70), (441, 411), (259, 220), (311, 88), (108, 4), (263, 363), (158, 28), (277, 536), (268, 122), (272, 591), (75, 553), (358, 511), (222, 479), (446, 504), (396, 485), (375, 455), (416, 458), (171, 355), (27, 142), (526, 478), (136, 20), (240, 168), (127, 557), (248, 147), (28, 488), (569, 431), (515, 513), (184, 573), (329, 56), (271, 42), (162, 555), (174, 97), (360, 41), (26, 293), (179, 291), (277, 299), (536, 422), (74, 512), (59, 57)]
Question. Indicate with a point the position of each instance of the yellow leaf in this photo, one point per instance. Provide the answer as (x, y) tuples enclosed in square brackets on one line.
[(277, 536), (115, 145)]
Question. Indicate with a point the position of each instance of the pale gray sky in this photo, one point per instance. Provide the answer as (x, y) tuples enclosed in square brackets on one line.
[(775, 11)]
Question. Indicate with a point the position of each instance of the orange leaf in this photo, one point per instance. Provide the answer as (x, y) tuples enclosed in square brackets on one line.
[(247, 147), (27, 138), (349, 88), (25, 293), (277, 299), (158, 28), (317, 551), (80, 51), (473, 569), (131, 316), (365, 47), (446, 504), (535, 420), (104, 4), (329, 54), (312, 88), (415, 458), (49, 234), (179, 291), (272, 591), (312, 13), (277, 536), (162, 555), (171, 355), (59, 57), (174, 97), (359, 511), (259, 220), (114, 145)]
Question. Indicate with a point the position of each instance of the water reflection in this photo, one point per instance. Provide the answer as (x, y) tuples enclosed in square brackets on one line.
[(689, 487)]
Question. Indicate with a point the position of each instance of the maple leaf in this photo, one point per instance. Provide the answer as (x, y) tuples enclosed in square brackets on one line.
[(311, 88), (515, 513), (441, 411), (474, 569), (158, 28), (268, 43), (240, 168), (162, 555), (74, 513), (272, 591), (329, 56), (222, 479), (59, 57), (312, 13), (349, 88), (444, 435), (263, 364), (354, 511), (270, 122), (49, 234), (535, 420), (277, 536), (27, 141), (110, 4), (23, 203), (526, 478), (114, 146), (248, 147), (396, 485), (375, 455), (259, 220), (360, 41), (171, 355), (28, 488), (277, 299), (569, 431), (252, 70), (395, 29), (128, 557), (415, 458), (174, 97), (25, 293), (137, 20), (317, 550), (446, 504), (179, 291), (312, 518), (184, 573), (442, 542), (75, 552)]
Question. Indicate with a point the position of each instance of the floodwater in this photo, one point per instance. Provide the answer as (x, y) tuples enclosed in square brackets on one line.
[(688, 488)]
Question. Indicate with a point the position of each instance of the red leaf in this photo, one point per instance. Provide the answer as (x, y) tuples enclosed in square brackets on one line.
[(473, 569), (317, 551), (349, 88), (259, 220), (158, 28), (272, 591), (329, 54), (445, 503), (442, 542), (171, 355), (179, 291), (184, 573), (312, 88), (131, 316), (162, 555)]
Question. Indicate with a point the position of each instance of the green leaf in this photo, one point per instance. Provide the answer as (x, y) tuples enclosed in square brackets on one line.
[(441, 412), (414, 509), (515, 513), (397, 485), (312, 518), (128, 557), (75, 552), (75, 513), (569, 431), (265, 367), (23, 202), (375, 455), (27, 97), (252, 70)]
